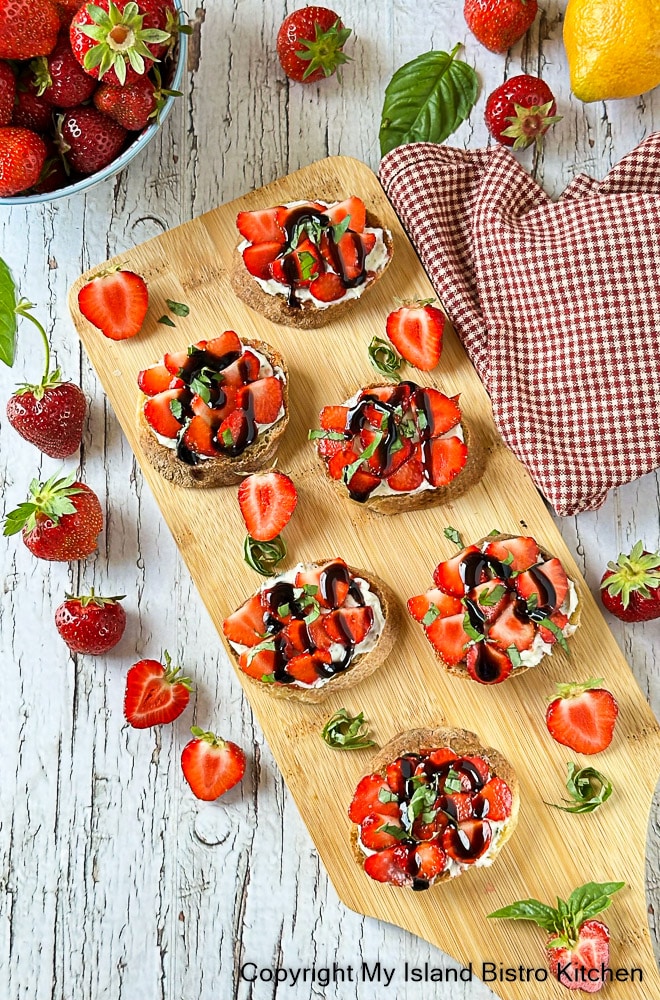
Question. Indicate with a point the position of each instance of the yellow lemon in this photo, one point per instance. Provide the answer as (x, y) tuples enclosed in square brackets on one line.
[(613, 47)]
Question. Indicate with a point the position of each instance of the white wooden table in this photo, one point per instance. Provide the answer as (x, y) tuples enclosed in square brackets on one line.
[(114, 882)]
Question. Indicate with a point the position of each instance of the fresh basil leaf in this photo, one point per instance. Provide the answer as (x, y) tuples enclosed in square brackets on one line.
[(588, 789), (488, 599), (340, 229), (557, 632), (326, 435), (470, 630), (394, 831), (8, 318), (592, 898), (384, 358), (166, 321), (427, 99), (370, 450), (345, 732), (431, 615), (263, 557), (514, 655), (454, 536), (308, 263), (530, 909), (385, 795), (453, 781), (178, 308), (176, 408)]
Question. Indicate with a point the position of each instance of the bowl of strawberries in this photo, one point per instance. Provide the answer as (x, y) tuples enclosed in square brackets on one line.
[(84, 87)]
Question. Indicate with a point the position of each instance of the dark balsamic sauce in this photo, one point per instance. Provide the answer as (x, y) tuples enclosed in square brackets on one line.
[(329, 582)]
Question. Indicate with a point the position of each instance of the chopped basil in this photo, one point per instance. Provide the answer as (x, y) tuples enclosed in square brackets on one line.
[(386, 795), (431, 615), (346, 732), (340, 229), (557, 632), (422, 421), (422, 801), (454, 536), (268, 679), (384, 358), (176, 408), (453, 781), (370, 450), (470, 630), (166, 321), (307, 264), (490, 598), (227, 438), (264, 557), (178, 308), (326, 435), (284, 610), (395, 831), (514, 656), (532, 602)]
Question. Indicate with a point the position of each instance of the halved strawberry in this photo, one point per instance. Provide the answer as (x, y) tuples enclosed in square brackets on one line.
[(446, 458), (484, 594), (392, 865), (262, 664), (354, 207), (499, 797), (259, 259), (457, 804), (583, 716), (447, 574), (560, 620), (449, 638), (445, 605), (157, 379), (441, 412), (233, 430), (246, 625), (267, 501), (373, 837), (156, 694), (158, 412), (508, 630), (408, 477), (199, 437), (305, 667), (349, 625), (430, 860), (335, 573), (116, 302), (333, 418), (399, 771), (318, 635), (263, 225), (468, 841), (328, 287), (367, 799), (486, 663), (416, 331), (524, 550), (399, 457), (350, 250), (227, 343), (264, 397)]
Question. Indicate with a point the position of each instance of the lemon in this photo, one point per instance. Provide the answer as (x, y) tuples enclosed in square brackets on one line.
[(613, 47)]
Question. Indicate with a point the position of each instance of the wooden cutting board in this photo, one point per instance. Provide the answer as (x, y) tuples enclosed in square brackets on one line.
[(551, 852)]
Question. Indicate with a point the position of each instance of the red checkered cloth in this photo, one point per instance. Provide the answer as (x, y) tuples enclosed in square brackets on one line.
[(557, 304)]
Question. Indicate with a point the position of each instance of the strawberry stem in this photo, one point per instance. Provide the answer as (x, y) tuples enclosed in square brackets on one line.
[(23, 307)]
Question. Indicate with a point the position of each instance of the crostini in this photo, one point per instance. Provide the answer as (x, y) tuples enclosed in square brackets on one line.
[(434, 805), (214, 412), (305, 263)]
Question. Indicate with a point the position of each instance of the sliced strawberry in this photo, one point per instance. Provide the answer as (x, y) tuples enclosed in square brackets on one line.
[(481, 766), (267, 501), (155, 694), (582, 966), (443, 604), (157, 379), (441, 412), (546, 582), (560, 620), (210, 415), (384, 392), (508, 630), (318, 635), (246, 625), (305, 667), (354, 207), (445, 459), (327, 448), (264, 397), (368, 241), (263, 225), (362, 484), (392, 865), (583, 716), (228, 343), (486, 663), (299, 267), (442, 756), (373, 837), (457, 804), (399, 771), (484, 594), (430, 861), (259, 259), (500, 800), (449, 638), (408, 477), (199, 437), (367, 799), (349, 625), (416, 332), (333, 418), (399, 457), (431, 830), (158, 412), (116, 302), (262, 664), (447, 575), (524, 550), (468, 841), (179, 361), (328, 287), (241, 372), (233, 430), (349, 249), (332, 581)]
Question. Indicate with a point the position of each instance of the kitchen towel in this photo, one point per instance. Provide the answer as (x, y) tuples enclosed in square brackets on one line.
[(557, 304)]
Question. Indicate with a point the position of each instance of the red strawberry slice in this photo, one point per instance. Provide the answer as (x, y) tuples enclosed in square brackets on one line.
[(447, 575), (485, 593), (233, 430), (446, 458), (199, 437), (306, 668), (367, 799), (481, 766), (116, 302), (246, 625), (259, 665), (155, 694), (318, 635), (440, 412), (372, 835), (299, 267), (211, 765), (264, 397), (331, 580), (327, 448), (508, 630), (333, 418), (498, 795), (354, 207), (349, 625), (227, 343), (430, 861), (210, 415), (385, 392), (267, 501), (259, 259), (449, 638), (416, 332), (590, 954), (339, 461), (442, 756), (180, 362), (583, 716), (400, 457), (158, 412), (524, 550), (362, 484), (241, 372), (468, 841), (486, 663), (408, 477), (351, 253), (457, 804), (263, 225), (157, 379), (560, 620), (532, 582), (398, 772), (327, 287), (226, 401), (444, 604), (297, 637), (392, 865)]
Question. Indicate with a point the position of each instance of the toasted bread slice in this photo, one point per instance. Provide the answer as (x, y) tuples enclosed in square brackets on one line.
[(465, 744), (308, 316), (361, 666), (223, 470)]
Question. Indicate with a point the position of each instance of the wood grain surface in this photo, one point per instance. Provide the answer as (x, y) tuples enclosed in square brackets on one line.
[(116, 883)]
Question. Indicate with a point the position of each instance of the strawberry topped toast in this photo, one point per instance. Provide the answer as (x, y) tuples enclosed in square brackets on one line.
[(313, 630), (434, 805), (213, 412), (398, 447), (305, 263), (497, 608)]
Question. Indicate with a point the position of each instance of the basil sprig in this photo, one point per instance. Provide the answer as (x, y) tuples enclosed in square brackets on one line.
[(584, 903)]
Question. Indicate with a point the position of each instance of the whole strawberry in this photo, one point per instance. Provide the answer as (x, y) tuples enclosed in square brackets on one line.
[(91, 624), (310, 44), (90, 140), (133, 106), (60, 79), (520, 111), (211, 765), (630, 587), (53, 175), (61, 521), (113, 41), (31, 111), (7, 93), (28, 28), (22, 156), (498, 24)]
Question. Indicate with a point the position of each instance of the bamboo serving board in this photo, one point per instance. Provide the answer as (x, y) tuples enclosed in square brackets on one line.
[(551, 852)]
